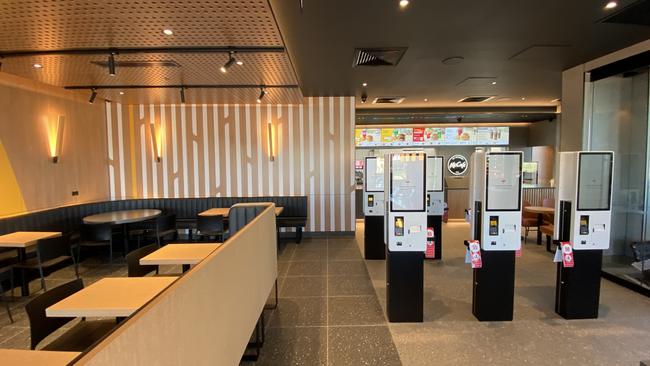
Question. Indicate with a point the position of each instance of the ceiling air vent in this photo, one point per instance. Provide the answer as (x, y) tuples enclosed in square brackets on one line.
[(378, 56), (476, 99), (163, 63), (388, 100)]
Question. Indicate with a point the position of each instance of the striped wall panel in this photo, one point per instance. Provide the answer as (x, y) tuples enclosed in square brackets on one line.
[(223, 150), (535, 196)]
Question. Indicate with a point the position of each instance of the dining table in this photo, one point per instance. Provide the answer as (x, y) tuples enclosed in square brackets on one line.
[(184, 254), (111, 297), (25, 357), (223, 211), (22, 240), (123, 217), (540, 211)]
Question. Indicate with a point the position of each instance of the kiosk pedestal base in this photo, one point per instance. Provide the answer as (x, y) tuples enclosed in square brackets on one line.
[(577, 289), (373, 242), (436, 223), (494, 286), (404, 286)]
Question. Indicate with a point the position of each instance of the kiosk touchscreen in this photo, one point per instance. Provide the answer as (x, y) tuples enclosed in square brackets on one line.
[(405, 235), (582, 229), (495, 202), (374, 208), (435, 206)]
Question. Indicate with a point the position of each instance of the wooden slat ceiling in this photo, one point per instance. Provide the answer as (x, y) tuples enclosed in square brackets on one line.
[(30, 25)]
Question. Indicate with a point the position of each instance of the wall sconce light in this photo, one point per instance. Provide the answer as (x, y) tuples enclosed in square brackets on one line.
[(55, 137), (271, 136), (156, 141)]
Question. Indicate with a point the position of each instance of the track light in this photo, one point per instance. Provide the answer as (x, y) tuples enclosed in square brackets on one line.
[(182, 95), (262, 94), (111, 64), (93, 95), (230, 62)]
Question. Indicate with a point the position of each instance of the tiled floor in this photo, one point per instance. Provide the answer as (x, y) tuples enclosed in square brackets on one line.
[(328, 311)]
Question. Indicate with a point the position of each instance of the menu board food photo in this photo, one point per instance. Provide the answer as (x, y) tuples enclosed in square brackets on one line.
[(431, 136)]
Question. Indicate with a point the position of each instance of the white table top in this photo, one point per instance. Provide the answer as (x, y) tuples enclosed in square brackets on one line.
[(180, 254), (122, 217), (20, 357), (111, 297), (24, 239), (223, 211)]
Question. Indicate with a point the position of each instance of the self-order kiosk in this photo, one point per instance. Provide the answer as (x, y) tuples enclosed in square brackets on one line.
[(582, 229), (495, 217), (373, 208), (435, 206), (405, 234)]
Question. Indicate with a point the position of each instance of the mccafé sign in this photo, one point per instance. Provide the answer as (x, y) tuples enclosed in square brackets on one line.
[(457, 165)]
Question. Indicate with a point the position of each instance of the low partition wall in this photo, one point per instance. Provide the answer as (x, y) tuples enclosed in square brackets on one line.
[(208, 315)]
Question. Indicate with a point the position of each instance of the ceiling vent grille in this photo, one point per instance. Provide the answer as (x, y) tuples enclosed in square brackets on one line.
[(388, 100), (142, 64), (476, 99), (378, 56)]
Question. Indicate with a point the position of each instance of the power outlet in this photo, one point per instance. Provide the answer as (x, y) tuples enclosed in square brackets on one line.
[(75, 193)]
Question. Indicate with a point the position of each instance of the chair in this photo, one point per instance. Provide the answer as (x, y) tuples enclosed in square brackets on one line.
[(7, 273), (240, 215), (210, 226), (528, 220), (76, 339), (164, 225), (98, 235), (50, 253), (548, 202), (135, 269)]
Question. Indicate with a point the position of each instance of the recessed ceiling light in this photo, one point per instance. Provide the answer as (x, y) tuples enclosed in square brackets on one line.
[(403, 3), (426, 100), (523, 98), (37, 66), (364, 84), (611, 5), (454, 60), (239, 62), (168, 32), (494, 83), (121, 93)]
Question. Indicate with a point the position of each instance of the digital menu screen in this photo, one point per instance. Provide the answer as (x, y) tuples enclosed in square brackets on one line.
[(431, 136)]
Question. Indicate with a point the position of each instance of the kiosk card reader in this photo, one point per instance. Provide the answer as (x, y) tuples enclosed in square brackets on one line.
[(373, 209), (583, 219), (405, 235), (435, 203), (495, 217)]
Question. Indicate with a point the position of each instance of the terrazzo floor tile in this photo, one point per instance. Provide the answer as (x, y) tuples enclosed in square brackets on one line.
[(347, 268), (307, 268), (300, 311), (366, 345), (349, 286), (294, 346), (343, 254), (355, 310), (303, 286)]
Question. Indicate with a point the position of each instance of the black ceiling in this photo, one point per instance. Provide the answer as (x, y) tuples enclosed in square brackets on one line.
[(521, 45)]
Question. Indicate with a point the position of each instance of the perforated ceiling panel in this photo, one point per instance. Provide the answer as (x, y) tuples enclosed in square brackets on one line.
[(31, 25), (202, 96)]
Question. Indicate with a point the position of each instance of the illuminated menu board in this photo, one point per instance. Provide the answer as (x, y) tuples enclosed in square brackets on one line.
[(431, 136)]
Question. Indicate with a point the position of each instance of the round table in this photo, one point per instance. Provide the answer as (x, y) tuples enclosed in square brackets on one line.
[(122, 217), (540, 211)]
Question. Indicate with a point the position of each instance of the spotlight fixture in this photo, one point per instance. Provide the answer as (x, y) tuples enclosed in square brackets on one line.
[(93, 95), (230, 62), (121, 93), (523, 98), (364, 84), (494, 83), (426, 99), (111, 64), (364, 98), (611, 5), (182, 95), (262, 94), (403, 3), (37, 66), (168, 32)]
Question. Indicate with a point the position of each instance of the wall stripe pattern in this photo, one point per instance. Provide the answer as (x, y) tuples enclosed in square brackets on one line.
[(222, 150)]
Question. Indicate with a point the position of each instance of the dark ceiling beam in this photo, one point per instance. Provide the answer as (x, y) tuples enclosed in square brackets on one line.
[(460, 109), (140, 50), (178, 86)]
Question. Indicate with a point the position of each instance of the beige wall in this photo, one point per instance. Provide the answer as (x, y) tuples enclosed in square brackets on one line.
[(222, 150), (30, 181)]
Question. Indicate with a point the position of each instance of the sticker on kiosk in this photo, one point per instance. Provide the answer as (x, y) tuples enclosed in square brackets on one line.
[(567, 254), (430, 251), (475, 254)]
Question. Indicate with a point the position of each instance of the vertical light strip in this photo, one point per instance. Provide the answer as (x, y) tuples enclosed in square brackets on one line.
[(249, 153), (143, 161), (238, 150), (269, 115), (342, 160), (217, 163), (109, 144), (291, 166), (134, 178), (154, 165), (195, 153), (177, 191), (312, 198), (278, 151), (186, 187), (301, 138), (321, 191), (206, 151), (350, 142), (163, 150), (120, 151), (260, 151), (332, 186), (226, 139)]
